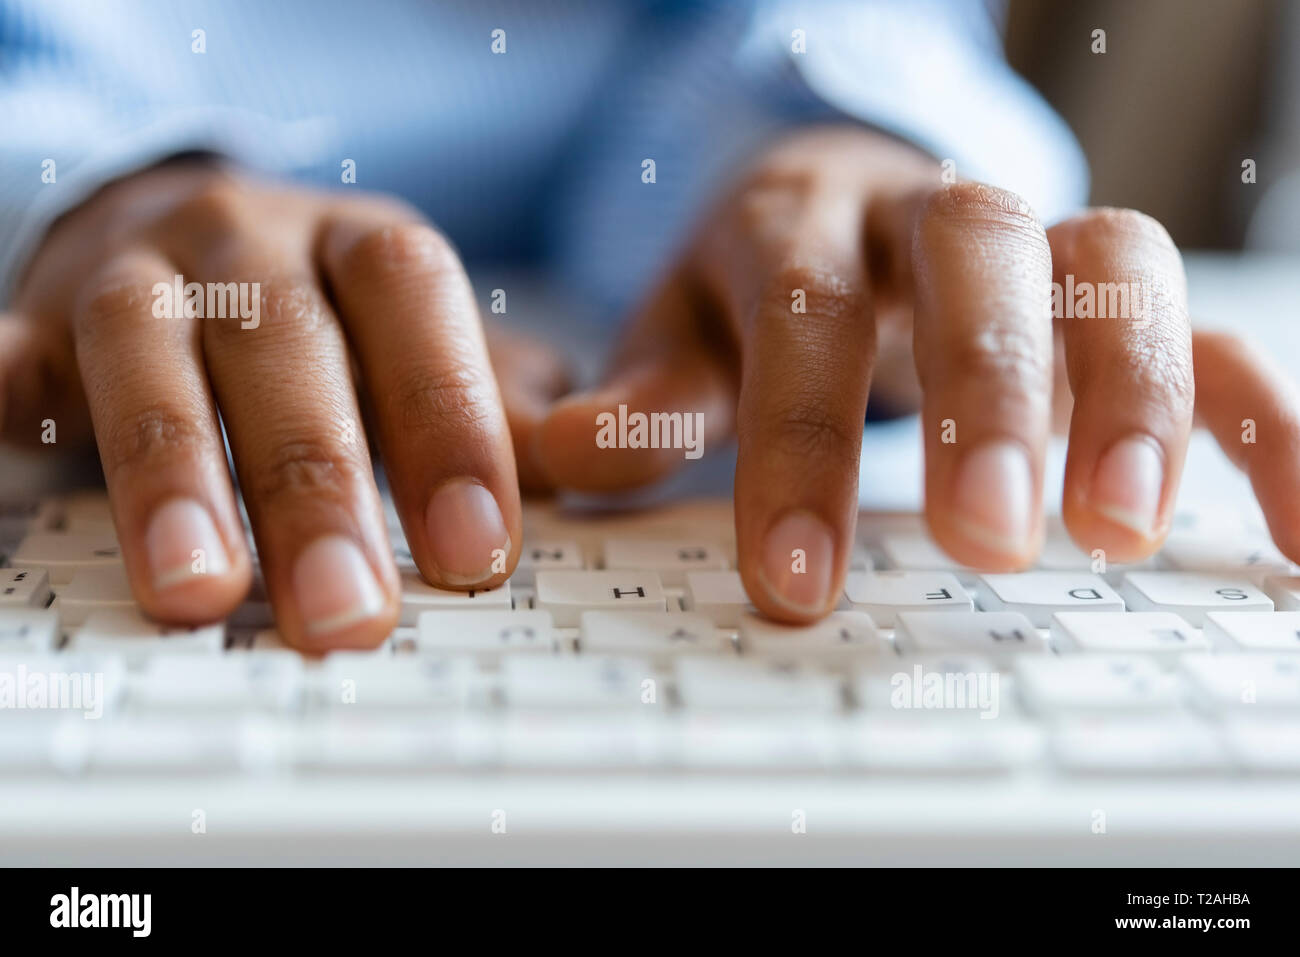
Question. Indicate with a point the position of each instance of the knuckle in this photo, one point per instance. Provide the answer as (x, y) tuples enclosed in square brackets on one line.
[(284, 307), (777, 183), (111, 302), (388, 252), (141, 440), (291, 302), (1010, 358), (305, 467), (805, 427), (218, 204), (771, 198), (454, 400), (827, 291)]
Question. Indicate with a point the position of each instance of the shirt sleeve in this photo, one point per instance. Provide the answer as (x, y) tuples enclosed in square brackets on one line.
[(73, 121), (930, 72)]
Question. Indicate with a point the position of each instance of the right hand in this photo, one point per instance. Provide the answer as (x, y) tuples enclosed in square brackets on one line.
[(345, 282)]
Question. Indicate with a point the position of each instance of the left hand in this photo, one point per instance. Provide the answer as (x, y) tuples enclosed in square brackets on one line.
[(943, 294)]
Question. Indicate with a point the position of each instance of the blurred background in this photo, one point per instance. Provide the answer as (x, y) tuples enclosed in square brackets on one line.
[(1185, 92)]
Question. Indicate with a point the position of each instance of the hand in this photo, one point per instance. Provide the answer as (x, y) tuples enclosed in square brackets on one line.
[(342, 285), (841, 256)]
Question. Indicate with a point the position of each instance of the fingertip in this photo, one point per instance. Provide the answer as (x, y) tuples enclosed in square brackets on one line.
[(199, 600), (470, 544), (1120, 543), (590, 442), (794, 577), (338, 601), (186, 571), (1117, 504), (989, 517)]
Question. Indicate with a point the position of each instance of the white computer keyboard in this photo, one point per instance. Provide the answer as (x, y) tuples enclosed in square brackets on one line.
[(631, 643), (625, 646)]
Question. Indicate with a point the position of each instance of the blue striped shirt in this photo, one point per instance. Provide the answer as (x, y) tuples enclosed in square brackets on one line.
[(530, 153)]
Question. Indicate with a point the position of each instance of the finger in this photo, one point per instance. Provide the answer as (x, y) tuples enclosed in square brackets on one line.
[(17, 335), (160, 444), (1253, 409), (670, 369), (282, 380), (983, 346), (413, 322), (1123, 311), (39, 384), (532, 379), (791, 272)]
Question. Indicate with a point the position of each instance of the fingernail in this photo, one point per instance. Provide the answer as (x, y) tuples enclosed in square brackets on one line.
[(1127, 484), (334, 586), (994, 497), (467, 535), (797, 558), (182, 543)]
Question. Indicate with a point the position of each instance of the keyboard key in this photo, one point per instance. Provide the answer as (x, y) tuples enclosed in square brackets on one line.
[(1245, 682), (917, 551), (579, 683), (1160, 634), (34, 681), (659, 637), (1153, 745), (418, 596), (361, 741), (26, 745), (88, 512), (63, 553), (1039, 595), (223, 683), (884, 594), (1248, 631), (546, 555), (21, 513), (670, 559), (403, 641), (27, 630), (567, 594), (1191, 594), (1284, 590), (719, 595), (993, 633), (24, 587), (944, 687), (144, 744), (1236, 556), (727, 741), (128, 633), (364, 680), (485, 634), (841, 639), (92, 590), (555, 740), (1097, 683), (893, 743), (719, 684), (1265, 745)]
